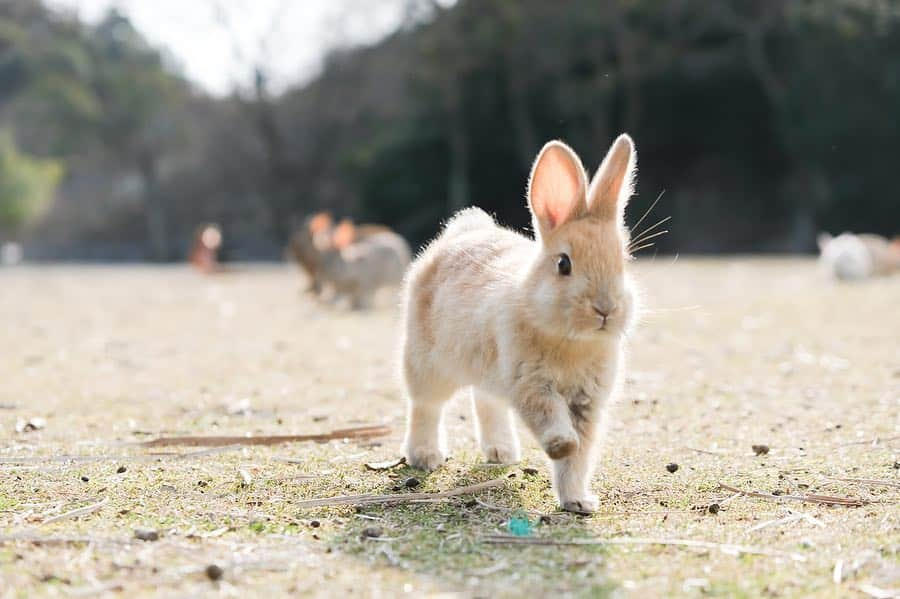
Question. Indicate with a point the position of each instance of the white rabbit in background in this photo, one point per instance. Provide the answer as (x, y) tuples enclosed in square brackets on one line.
[(850, 257)]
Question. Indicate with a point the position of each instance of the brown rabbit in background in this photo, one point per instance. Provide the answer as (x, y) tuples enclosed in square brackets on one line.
[(357, 267), (313, 238), (302, 247), (537, 325)]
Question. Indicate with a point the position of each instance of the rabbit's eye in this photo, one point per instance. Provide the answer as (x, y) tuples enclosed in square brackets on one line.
[(564, 265)]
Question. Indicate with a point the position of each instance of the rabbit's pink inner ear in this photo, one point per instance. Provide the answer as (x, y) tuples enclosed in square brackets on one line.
[(344, 235), (556, 189), (612, 185), (319, 222)]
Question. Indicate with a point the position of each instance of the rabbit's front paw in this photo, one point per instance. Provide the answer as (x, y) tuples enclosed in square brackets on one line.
[(501, 454), (424, 458), (586, 505)]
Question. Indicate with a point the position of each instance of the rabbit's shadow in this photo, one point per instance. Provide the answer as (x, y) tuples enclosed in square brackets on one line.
[(513, 532)]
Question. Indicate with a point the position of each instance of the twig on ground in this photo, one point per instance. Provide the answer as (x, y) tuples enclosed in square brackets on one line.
[(210, 451), (288, 460), (362, 432), (82, 511), (877, 592), (27, 537), (726, 548), (837, 575), (503, 508), (385, 465), (822, 499), (705, 451), (869, 481), (498, 567), (790, 518), (729, 499), (873, 442), (77, 458), (370, 498)]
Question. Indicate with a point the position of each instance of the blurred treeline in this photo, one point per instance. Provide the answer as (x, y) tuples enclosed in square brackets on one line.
[(763, 121)]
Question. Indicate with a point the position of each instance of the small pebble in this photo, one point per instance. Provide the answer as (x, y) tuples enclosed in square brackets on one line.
[(121, 469), (84, 479), (412, 482), (760, 449), (673, 467), (315, 523), (214, 572), (714, 508), (530, 471), (202, 483), (146, 534), (372, 532)]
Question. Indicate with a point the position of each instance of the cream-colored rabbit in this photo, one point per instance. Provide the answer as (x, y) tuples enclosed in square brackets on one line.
[(533, 325)]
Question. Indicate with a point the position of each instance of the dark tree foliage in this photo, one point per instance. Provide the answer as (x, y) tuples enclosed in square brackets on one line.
[(762, 121)]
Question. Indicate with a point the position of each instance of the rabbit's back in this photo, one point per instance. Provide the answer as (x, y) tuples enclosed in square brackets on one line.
[(457, 290), (885, 259), (379, 260)]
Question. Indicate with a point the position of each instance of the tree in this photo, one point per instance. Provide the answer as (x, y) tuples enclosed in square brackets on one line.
[(27, 186)]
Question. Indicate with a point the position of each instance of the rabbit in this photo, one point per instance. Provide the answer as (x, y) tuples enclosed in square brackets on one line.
[(312, 238), (207, 243), (357, 267), (302, 248), (536, 325), (850, 257)]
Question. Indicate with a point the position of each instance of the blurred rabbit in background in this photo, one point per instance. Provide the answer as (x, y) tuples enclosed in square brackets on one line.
[(205, 249), (850, 257), (354, 260)]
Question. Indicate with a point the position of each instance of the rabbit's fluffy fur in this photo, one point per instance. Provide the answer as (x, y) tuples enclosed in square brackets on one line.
[(852, 257), (490, 309)]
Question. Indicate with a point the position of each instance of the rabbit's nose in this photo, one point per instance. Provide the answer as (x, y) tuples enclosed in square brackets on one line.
[(602, 312)]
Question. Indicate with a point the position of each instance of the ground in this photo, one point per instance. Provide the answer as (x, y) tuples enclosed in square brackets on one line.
[(730, 353)]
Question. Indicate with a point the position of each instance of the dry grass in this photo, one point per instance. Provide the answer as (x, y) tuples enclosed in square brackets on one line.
[(732, 353)]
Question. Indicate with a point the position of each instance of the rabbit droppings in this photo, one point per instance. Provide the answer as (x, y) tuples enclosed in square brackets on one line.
[(536, 325)]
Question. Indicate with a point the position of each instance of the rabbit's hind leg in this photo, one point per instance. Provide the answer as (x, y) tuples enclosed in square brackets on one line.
[(424, 446), (496, 428)]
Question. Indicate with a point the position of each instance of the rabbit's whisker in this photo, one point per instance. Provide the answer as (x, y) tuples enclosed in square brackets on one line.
[(638, 236), (641, 247), (649, 210), (645, 238)]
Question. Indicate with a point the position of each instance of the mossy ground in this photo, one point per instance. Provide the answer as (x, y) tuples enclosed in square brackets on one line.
[(730, 353)]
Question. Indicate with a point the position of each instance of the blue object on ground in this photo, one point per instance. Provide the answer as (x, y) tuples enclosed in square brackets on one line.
[(519, 526)]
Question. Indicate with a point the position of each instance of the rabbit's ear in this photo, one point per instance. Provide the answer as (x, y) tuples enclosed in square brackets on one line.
[(613, 183), (823, 239), (319, 222), (556, 187), (344, 234)]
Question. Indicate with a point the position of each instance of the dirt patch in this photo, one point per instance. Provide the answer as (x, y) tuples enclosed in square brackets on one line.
[(731, 354)]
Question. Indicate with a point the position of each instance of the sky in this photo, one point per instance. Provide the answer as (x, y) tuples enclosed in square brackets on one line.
[(216, 42)]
